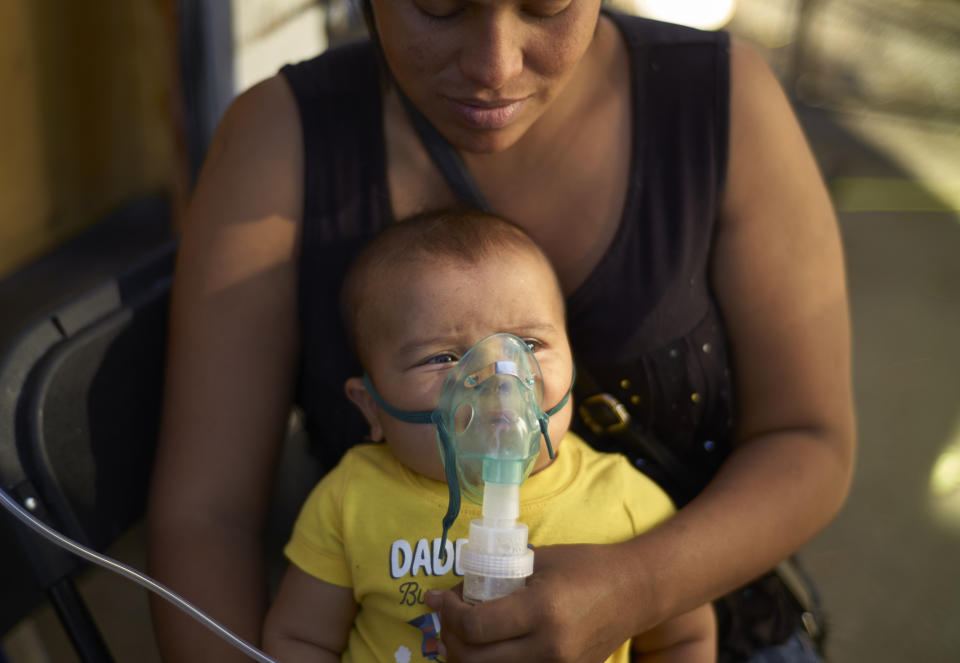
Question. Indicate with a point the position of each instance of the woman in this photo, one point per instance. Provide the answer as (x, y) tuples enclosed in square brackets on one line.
[(700, 259)]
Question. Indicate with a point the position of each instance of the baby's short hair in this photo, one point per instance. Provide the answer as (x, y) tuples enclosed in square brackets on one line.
[(457, 234)]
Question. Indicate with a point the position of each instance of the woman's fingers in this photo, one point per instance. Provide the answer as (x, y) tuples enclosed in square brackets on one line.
[(483, 623), (565, 613)]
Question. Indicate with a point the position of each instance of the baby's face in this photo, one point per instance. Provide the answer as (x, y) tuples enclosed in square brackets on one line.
[(433, 312)]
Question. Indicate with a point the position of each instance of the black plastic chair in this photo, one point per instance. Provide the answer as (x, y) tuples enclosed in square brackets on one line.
[(82, 348)]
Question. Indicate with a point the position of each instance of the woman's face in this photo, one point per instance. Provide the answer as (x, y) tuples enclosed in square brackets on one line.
[(483, 71)]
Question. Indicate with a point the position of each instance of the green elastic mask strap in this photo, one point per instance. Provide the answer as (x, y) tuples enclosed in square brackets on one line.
[(453, 483), (544, 418), (446, 445), (422, 417)]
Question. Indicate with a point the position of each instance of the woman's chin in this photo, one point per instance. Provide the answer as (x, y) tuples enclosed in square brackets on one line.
[(484, 142)]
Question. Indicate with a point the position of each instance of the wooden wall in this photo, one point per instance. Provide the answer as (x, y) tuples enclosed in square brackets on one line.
[(89, 116)]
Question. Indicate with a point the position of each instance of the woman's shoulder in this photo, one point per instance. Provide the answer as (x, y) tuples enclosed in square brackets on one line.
[(265, 125), (336, 98), (638, 30), (347, 68), (254, 159)]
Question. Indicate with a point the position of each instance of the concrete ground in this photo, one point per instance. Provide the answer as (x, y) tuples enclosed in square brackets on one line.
[(877, 88), (889, 566)]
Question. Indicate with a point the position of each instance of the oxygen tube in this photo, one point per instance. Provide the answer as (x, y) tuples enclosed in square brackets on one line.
[(130, 573)]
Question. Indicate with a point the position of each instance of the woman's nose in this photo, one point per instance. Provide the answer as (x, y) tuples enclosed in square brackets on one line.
[(492, 53)]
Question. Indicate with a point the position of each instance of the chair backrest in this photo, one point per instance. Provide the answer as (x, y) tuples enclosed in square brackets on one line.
[(90, 407), (82, 348)]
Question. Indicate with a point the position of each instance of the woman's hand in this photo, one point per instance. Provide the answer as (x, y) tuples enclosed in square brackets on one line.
[(580, 604)]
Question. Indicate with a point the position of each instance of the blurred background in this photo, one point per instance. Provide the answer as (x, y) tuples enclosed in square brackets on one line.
[(109, 103)]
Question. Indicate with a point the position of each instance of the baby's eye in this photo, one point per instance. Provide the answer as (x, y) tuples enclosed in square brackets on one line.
[(533, 344), (442, 358)]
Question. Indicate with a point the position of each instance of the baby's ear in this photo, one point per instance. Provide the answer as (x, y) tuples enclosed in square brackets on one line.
[(360, 397)]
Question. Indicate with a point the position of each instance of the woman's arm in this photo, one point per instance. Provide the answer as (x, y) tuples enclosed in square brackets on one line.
[(778, 273), (230, 372), (779, 277), (687, 638), (309, 620)]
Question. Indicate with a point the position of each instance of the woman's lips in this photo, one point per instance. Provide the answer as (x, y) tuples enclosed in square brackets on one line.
[(485, 115)]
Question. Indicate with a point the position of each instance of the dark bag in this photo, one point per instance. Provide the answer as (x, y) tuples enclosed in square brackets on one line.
[(764, 613)]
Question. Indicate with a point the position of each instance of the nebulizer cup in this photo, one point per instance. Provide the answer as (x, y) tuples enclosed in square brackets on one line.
[(496, 560)]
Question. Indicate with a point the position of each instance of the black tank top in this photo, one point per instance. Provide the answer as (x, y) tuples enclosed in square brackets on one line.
[(645, 323)]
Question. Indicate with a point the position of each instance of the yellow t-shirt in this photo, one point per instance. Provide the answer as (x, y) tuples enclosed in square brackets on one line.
[(373, 525)]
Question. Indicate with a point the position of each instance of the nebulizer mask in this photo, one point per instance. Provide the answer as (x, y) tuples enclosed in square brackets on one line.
[(489, 422)]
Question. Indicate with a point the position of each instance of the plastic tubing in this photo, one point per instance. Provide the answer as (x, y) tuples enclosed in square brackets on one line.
[(130, 573)]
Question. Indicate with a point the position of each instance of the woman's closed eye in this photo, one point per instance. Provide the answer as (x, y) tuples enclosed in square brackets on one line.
[(546, 8), (439, 9), (449, 9)]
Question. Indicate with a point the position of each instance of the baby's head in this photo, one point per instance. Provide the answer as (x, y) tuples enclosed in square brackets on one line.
[(425, 291)]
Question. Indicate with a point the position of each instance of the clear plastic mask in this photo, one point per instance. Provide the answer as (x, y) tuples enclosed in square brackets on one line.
[(490, 409)]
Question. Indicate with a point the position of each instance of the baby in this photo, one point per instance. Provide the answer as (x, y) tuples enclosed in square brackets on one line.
[(366, 546)]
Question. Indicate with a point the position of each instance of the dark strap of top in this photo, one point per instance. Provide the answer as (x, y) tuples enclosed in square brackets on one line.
[(446, 158)]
